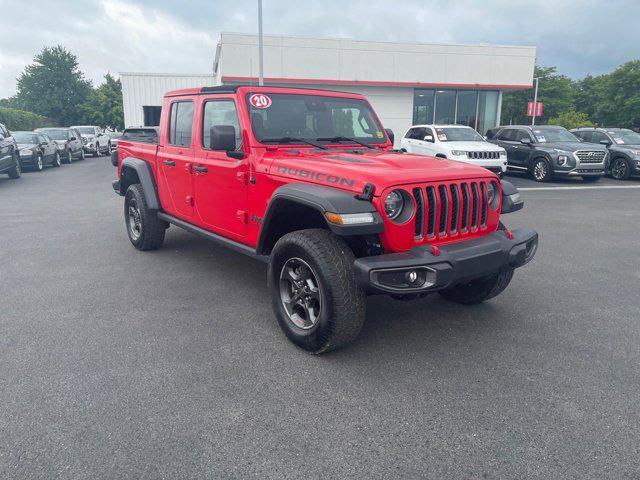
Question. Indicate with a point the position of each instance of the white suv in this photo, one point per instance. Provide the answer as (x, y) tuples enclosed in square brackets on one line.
[(455, 142), (94, 140)]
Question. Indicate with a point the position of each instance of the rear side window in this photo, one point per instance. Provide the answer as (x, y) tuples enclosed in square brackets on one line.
[(586, 136), (218, 113), (597, 137), (180, 124), (508, 134)]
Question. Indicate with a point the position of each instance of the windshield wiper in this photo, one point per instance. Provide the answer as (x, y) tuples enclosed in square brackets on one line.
[(293, 139), (345, 139)]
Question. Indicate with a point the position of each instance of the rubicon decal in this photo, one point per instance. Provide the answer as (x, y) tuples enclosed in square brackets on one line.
[(260, 100), (320, 177)]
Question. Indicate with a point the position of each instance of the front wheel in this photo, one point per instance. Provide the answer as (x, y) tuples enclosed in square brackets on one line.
[(16, 170), (620, 169), (318, 304), (56, 160), (540, 171), (68, 157), (478, 290), (39, 163), (146, 231)]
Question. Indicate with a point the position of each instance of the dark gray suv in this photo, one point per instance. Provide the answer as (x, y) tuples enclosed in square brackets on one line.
[(9, 157), (623, 145)]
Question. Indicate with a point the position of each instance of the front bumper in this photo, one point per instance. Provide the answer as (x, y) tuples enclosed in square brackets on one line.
[(496, 165), (454, 263)]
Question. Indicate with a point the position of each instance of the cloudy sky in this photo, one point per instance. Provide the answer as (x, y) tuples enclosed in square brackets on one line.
[(580, 37)]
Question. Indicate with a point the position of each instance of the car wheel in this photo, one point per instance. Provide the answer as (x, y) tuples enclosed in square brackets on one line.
[(16, 170), (69, 157), (620, 169), (82, 154), (56, 160), (39, 163), (590, 179), (541, 172), (315, 297), (96, 151), (146, 231), (479, 290)]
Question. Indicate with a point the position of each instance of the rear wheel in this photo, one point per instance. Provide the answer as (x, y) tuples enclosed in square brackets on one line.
[(56, 160), (146, 231), (540, 171), (620, 169), (16, 170), (318, 304)]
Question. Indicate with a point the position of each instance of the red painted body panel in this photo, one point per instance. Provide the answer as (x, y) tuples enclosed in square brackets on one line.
[(224, 201)]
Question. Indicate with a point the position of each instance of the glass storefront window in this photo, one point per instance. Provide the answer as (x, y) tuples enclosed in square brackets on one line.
[(475, 108), (445, 107), (423, 104)]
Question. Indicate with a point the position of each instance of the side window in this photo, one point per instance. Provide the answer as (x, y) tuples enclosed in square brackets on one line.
[(40, 138), (69, 134), (522, 134), (597, 137), (411, 133), (586, 136), (180, 124), (508, 135), (219, 112)]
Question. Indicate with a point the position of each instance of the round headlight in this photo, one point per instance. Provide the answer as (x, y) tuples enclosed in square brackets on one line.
[(492, 195), (393, 204)]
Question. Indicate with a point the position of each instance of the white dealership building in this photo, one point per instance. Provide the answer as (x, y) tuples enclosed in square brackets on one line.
[(407, 83)]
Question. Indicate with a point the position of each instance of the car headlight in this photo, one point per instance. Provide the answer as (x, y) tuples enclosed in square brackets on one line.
[(393, 204), (503, 153), (458, 153), (562, 159), (492, 195)]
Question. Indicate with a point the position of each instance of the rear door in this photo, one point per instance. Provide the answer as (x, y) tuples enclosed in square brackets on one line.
[(175, 159), (5, 148), (506, 139), (220, 181), (522, 152)]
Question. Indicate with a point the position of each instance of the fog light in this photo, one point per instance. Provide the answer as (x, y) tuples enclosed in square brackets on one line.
[(412, 276)]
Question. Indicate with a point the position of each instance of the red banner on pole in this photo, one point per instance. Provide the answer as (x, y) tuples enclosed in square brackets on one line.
[(534, 109)]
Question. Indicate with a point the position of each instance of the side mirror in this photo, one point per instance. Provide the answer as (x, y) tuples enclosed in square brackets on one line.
[(428, 138), (222, 137), (525, 141), (390, 135), (605, 142)]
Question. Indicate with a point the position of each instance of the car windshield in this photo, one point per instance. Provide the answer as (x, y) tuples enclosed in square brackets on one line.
[(25, 137), (55, 133), (554, 135), (458, 134), (625, 137), (86, 130), (289, 118)]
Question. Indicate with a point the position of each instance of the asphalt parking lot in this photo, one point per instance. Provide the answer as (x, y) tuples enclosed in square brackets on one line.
[(169, 364)]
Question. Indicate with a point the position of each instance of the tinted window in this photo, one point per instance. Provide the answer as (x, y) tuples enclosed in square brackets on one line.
[(216, 113), (597, 137), (508, 134), (584, 135), (522, 134), (181, 123)]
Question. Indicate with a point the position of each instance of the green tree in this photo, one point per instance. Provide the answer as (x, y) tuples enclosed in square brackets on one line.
[(53, 86), (572, 119), (555, 91), (20, 120), (104, 105)]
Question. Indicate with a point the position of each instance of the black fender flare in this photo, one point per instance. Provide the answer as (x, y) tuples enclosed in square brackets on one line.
[(322, 199), (145, 175), (511, 198)]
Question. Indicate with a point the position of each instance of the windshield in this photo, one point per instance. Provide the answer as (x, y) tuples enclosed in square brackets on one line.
[(55, 133), (316, 118), (86, 130), (554, 135), (458, 134), (24, 137), (625, 137)]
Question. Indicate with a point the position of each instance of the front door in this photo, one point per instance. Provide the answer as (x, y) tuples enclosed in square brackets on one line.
[(220, 181), (175, 160)]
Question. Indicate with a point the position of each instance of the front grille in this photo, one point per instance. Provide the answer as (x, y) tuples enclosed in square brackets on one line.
[(445, 210), (483, 155), (594, 156)]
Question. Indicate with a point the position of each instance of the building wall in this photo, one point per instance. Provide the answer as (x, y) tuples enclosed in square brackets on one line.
[(148, 89)]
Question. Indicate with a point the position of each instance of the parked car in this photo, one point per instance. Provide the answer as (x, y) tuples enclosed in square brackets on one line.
[(623, 145), (37, 150), (69, 142), (548, 151), (286, 176), (455, 142), (94, 139), (9, 156)]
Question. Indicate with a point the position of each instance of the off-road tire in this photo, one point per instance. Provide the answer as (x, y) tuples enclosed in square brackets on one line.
[(479, 290), (590, 179), (152, 229), (16, 170), (546, 174), (342, 308)]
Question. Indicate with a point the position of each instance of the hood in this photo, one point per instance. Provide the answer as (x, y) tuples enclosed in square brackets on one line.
[(625, 146), (26, 145), (61, 142), (474, 146), (574, 146), (87, 135), (351, 171)]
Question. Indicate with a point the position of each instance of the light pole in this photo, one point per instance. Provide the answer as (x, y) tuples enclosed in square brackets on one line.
[(260, 46), (535, 102)]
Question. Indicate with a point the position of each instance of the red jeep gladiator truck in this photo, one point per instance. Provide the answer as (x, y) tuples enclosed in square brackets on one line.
[(309, 182)]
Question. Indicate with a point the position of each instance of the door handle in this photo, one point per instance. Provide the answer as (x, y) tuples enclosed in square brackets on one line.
[(201, 169), (169, 163)]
